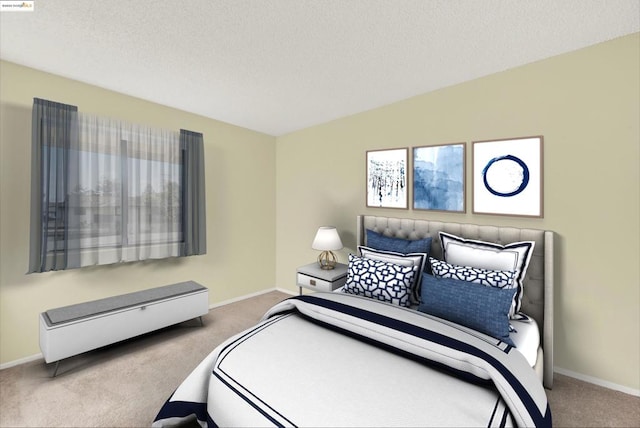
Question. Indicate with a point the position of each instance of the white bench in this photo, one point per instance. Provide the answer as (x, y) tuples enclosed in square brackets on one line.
[(74, 329)]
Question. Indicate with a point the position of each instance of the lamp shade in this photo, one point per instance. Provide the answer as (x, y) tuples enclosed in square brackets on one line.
[(327, 239)]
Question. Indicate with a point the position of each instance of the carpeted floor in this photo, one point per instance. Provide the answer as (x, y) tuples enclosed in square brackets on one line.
[(126, 384)]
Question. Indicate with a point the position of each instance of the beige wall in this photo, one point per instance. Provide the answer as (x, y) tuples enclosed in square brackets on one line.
[(586, 104), (240, 186)]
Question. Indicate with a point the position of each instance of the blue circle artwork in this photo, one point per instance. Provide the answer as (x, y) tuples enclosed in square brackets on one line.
[(505, 176)]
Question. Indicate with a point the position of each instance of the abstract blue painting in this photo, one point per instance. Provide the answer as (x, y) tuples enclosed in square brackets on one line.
[(438, 177)]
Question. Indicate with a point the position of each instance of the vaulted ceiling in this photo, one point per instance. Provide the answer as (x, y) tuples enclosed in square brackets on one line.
[(276, 66)]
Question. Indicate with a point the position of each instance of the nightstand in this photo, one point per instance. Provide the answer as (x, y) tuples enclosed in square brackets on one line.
[(312, 277)]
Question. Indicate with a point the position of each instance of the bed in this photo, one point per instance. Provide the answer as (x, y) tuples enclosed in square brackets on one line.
[(349, 359)]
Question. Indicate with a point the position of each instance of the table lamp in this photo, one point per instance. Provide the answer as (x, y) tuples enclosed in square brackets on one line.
[(326, 240)]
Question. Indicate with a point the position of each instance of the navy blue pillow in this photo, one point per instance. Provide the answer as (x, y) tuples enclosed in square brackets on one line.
[(380, 242), (485, 309)]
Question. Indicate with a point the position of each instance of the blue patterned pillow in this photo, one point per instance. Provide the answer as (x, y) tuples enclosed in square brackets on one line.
[(378, 280), (380, 242), (485, 309), (409, 259), (490, 278)]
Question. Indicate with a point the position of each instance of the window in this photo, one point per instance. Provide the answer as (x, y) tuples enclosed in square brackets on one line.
[(110, 191)]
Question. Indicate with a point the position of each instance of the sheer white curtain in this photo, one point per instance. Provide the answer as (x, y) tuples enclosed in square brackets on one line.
[(125, 200), (105, 191)]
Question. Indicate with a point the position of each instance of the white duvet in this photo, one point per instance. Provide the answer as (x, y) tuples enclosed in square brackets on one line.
[(332, 359)]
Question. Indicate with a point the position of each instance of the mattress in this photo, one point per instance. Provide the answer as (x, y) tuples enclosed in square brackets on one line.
[(526, 337)]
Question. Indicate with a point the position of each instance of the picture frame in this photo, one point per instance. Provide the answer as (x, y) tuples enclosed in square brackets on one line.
[(387, 178), (439, 175), (508, 177)]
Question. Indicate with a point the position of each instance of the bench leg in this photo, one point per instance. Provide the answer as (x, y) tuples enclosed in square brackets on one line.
[(55, 371), (201, 323)]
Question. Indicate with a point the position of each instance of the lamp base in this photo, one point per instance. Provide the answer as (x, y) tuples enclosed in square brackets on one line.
[(327, 260)]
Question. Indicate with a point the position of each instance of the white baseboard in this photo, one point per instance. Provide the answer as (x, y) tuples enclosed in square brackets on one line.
[(248, 296), (285, 291), (21, 361), (596, 381), (239, 298)]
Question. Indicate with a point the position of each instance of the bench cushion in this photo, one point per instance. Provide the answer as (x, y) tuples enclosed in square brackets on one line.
[(87, 309)]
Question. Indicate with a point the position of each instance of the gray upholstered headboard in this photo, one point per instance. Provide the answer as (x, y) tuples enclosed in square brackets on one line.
[(537, 300)]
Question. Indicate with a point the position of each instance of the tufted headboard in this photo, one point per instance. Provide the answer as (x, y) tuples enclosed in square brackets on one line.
[(537, 300)]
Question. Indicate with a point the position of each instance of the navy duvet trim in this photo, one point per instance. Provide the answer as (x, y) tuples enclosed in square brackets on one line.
[(183, 409)]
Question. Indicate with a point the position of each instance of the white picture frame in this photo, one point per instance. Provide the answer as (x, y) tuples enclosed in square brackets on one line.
[(387, 181), (508, 177)]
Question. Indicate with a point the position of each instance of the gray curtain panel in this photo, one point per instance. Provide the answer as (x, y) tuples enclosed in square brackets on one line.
[(194, 226), (54, 132)]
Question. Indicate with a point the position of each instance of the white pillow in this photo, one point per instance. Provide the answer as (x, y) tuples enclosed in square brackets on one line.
[(514, 257)]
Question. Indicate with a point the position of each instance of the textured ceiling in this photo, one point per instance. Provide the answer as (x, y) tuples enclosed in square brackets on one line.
[(276, 66)]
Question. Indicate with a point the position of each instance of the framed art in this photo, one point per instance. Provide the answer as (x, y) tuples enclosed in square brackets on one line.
[(439, 177), (507, 177), (387, 178)]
